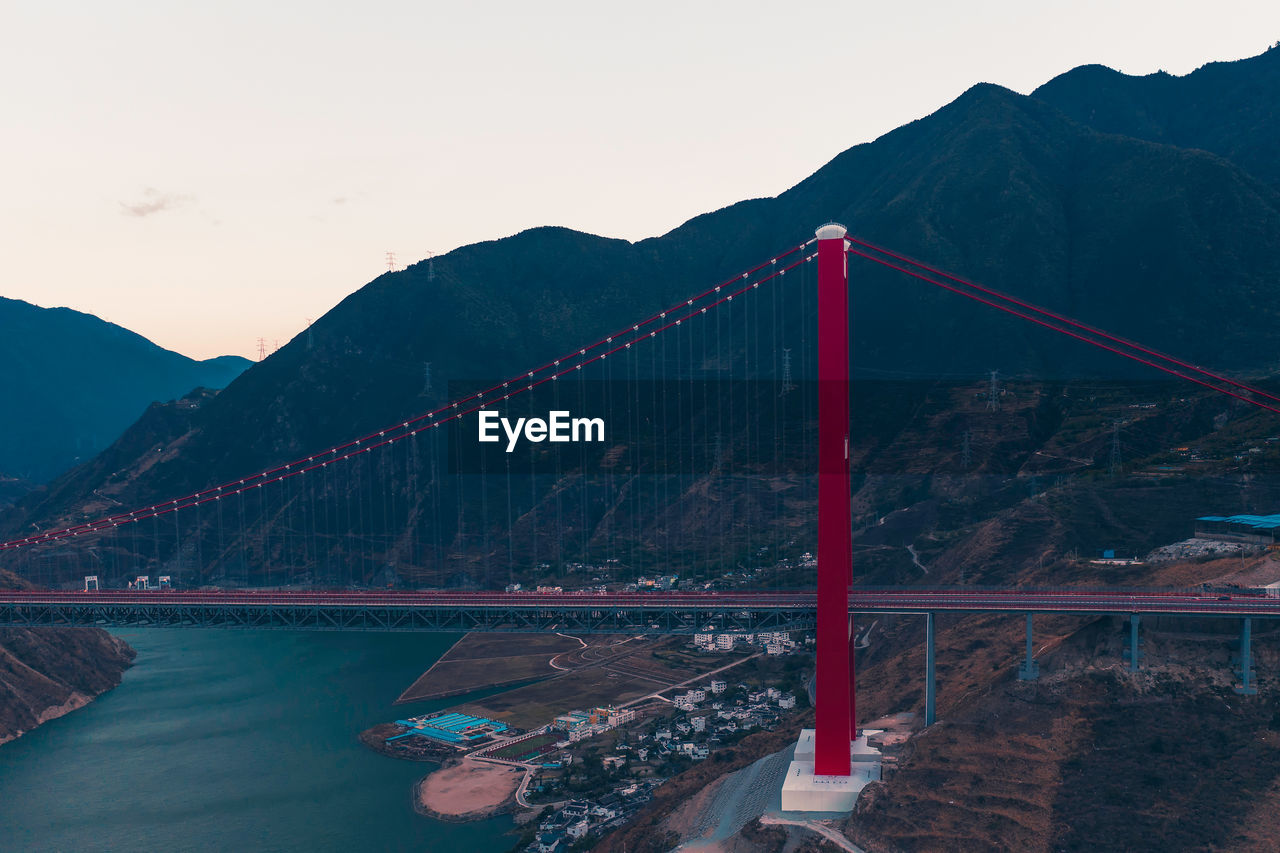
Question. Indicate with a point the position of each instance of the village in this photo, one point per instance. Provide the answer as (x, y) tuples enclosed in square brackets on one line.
[(587, 771)]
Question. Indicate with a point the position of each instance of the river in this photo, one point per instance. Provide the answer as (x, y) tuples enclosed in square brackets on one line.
[(234, 740)]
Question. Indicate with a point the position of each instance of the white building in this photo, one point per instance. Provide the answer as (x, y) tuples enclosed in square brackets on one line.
[(699, 723), (786, 701), (695, 751), (724, 642), (548, 842), (619, 716), (576, 808), (718, 687)]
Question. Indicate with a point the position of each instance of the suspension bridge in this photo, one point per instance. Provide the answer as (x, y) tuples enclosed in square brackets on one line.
[(379, 506)]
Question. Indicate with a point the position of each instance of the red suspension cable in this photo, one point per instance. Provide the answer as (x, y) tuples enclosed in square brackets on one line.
[(1063, 319), (1065, 331), (455, 409)]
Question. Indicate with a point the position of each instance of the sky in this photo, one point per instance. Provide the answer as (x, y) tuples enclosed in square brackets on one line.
[(211, 174)]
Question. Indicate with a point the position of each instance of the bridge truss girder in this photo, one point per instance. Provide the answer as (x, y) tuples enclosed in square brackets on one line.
[(456, 619)]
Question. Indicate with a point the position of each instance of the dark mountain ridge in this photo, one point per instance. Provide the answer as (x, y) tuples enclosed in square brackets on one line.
[(1228, 108), (74, 382)]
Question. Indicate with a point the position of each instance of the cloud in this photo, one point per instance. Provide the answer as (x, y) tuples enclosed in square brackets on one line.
[(154, 201)]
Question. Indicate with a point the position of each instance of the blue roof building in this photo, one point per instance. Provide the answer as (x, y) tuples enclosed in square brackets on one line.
[(1260, 529)]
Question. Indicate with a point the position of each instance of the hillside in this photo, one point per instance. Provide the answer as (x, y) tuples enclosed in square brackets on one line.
[(1091, 756), (75, 382)]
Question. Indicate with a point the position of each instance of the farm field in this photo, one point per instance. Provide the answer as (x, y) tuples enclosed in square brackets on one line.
[(537, 704), (622, 671), (478, 661), (526, 749)]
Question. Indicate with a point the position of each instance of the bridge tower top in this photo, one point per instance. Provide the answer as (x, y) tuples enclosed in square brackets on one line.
[(832, 231)]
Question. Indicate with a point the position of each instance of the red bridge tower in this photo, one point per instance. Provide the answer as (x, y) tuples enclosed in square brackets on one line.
[(836, 724)]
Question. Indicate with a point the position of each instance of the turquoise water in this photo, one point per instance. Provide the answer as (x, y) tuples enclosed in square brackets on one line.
[(234, 740)]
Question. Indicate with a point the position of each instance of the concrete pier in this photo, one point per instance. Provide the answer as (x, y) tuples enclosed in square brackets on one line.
[(930, 683), (1246, 687), (1030, 670), (1132, 653), (805, 791)]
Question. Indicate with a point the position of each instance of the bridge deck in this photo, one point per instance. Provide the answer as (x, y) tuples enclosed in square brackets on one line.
[(643, 613)]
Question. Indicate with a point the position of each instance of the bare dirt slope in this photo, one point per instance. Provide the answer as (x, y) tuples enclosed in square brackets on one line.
[(48, 672)]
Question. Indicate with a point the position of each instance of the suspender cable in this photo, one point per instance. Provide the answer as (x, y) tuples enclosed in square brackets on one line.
[(1062, 328), (600, 350)]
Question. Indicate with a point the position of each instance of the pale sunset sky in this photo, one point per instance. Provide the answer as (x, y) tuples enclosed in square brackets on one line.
[(208, 174)]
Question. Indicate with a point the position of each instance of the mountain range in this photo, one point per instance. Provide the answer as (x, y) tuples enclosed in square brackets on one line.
[(1141, 205)]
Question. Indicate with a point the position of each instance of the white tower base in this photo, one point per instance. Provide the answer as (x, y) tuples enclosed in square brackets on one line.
[(804, 791)]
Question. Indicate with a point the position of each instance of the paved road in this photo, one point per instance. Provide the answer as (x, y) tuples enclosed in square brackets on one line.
[(826, 832), (701, 677)]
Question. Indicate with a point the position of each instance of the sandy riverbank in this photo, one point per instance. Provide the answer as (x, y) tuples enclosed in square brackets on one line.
[(467, 790)]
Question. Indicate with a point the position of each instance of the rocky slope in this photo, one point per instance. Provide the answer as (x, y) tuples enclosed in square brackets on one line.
[(48, 672)]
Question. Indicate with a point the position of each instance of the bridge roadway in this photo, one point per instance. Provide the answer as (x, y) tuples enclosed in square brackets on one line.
[(641, 612)]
